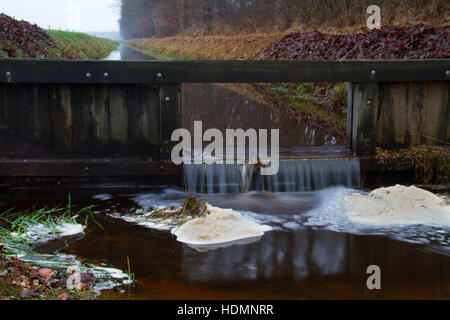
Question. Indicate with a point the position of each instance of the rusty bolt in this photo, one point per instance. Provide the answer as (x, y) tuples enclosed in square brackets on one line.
[(87, 169)]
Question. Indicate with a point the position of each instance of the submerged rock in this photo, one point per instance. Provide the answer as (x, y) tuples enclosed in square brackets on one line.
[(398, 205)]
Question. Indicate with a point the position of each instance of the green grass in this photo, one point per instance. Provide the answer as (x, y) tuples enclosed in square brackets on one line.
[(78, 45), (68, 45)]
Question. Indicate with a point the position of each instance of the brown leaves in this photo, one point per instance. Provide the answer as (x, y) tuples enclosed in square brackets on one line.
[(20, 38), (418, 42)]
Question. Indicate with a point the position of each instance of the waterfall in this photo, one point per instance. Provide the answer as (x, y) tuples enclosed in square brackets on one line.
[(293, 176)]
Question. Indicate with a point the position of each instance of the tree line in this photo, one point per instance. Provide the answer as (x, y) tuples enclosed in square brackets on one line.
[(146, 18)]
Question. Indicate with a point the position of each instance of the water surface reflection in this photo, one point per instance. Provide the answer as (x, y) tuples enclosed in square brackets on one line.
[(292, 262)]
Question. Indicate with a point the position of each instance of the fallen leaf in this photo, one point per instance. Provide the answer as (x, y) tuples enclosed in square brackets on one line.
[(63, 296), (45, 272)]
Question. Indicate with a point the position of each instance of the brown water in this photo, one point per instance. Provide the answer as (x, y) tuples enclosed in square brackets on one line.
[(295, 261), (312, 253)]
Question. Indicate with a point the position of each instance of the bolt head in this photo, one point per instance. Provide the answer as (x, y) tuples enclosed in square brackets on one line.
[(8, 74), (447, 73), (159, 75), (106, 74), (369, 102), (88, 75), (373, 73), (167, 99)]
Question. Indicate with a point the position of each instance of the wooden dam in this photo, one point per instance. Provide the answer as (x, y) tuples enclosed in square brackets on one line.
[(84, 123)]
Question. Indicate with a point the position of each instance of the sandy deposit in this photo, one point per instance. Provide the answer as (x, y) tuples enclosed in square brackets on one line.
[(217, 227), (398, 205)]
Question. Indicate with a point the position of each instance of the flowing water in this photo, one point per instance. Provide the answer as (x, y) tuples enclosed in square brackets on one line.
[(313, 252), (294, 176)]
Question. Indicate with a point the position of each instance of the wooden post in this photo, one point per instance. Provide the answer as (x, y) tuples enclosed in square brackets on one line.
[(171, 116), (350, 115), (366, 98)]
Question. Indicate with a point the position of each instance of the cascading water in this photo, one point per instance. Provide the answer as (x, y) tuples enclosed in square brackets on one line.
[(293, 176)]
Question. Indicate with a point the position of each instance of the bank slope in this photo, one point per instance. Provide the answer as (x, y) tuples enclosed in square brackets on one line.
[(20, 39)]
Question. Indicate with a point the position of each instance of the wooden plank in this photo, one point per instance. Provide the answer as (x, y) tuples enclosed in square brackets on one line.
[(412, 114), (75, 71), (350, 114), (143, 119), (61, 117), (86, 168), (367, 106), (171, 116)]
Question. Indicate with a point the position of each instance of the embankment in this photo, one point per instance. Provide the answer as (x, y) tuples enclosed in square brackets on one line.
[(20, 39), (321, 106)]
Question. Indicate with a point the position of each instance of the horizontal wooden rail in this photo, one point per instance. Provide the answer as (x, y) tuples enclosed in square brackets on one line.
[(134, 72)]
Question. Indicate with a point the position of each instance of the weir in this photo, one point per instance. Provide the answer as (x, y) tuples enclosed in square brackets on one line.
[(94, 121), (294, 176)]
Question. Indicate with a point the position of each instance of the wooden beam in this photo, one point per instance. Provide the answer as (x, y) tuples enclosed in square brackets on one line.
[(366, 100), (171, 116), (87, 168), (157, 72)]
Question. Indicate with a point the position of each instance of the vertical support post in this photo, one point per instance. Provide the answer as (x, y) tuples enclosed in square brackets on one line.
[(350, 115), (366, 100), (171, 116)]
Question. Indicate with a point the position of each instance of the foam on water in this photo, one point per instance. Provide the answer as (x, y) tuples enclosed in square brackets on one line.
[(333, 215), (220, 226)]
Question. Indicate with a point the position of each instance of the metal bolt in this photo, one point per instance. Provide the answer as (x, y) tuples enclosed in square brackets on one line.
[(369, 102), (106, 74), (167, 99), (8, 74), (159, 75), (447, 73), (88, 75), (373, 73)]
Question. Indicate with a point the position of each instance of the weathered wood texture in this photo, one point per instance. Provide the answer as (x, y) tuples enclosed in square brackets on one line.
[(127, 72), (83, 120), (399, 115), (87, 168)]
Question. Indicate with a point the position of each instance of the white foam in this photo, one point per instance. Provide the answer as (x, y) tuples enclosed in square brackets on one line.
[(398, 205), (333, 215), (103, 197), (220, 226), (39, 233)]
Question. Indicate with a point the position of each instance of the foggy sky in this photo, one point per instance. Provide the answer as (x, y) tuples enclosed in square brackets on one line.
[(94, 15)]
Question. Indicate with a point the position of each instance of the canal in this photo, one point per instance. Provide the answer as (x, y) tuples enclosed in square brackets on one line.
[(313, 251)]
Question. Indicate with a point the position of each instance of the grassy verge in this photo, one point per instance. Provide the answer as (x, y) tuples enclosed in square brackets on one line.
[(75, 45), (64, 45)]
